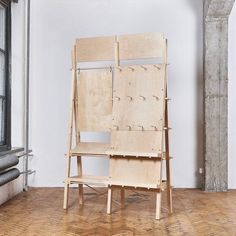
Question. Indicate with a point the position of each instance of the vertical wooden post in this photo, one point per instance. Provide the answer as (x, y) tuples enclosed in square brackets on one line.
[(70, 132), (167, 151), (168, 177), (122, 198), (77, 132), (116, 47), (109, 200), (158, 205)]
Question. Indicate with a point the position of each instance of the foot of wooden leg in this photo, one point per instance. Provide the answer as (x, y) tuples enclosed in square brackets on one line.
[(66, 193), (169, 200), (158, 205), (122, 198), (81, 194), (109, 199)]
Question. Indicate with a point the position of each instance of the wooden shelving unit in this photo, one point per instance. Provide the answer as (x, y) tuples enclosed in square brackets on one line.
[(128, 98)]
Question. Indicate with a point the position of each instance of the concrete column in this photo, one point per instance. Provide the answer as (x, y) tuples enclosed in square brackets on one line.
[(216, 13)]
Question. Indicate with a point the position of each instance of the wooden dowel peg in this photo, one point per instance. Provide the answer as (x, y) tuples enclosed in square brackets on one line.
[(167, 128), (145, 68), (167, 99), (129, 127), (116, 126), (131, 68), (155, 128), (117, 98), (156, 97), (130, 98), (142, 97), (119, 68), (141, 127), (158, 67)]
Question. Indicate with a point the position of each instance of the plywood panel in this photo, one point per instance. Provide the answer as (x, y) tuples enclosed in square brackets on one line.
[(95, 49), (140, 46), (134, 171), (138, 94), (136, 143), (94, 100)]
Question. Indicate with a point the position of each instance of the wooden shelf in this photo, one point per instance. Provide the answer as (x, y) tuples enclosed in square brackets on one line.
[(89, 179), (93, 149)]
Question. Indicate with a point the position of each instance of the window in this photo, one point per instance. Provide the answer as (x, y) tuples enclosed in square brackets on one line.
[(5, 97)]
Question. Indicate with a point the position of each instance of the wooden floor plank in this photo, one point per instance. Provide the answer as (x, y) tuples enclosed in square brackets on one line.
[(39, 212)]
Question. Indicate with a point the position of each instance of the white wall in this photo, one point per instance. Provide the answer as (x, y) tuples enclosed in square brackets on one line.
[(232, 99), (11, 189), (56, 24)]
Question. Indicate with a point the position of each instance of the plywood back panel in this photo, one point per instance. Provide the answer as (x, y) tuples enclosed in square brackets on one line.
[(95, 49), (141, 46), (138, 95), (135, 172), (94, 100), (136, 143)]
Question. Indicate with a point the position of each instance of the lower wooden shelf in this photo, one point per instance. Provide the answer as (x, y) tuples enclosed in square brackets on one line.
[(105, 182), (89, 179)]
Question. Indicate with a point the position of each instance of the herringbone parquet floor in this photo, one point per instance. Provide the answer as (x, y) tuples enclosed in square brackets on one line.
[(39, 212)]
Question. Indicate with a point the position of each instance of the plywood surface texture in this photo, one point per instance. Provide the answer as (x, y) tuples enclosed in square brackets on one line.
[(94, 100), (95, 49), (137, 172), (141, 46), (138, 95), (136, 143)]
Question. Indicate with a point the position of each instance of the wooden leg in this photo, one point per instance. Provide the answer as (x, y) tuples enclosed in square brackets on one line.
[(66, 194), (66, 189), (81, 194), (79, 171), (169, 188), (109, 200), (158, 205), (122, 198), (169, 200)]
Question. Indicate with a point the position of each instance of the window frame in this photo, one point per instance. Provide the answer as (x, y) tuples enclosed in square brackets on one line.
[(7, 51)]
